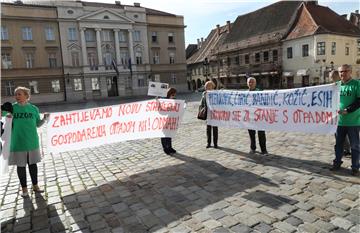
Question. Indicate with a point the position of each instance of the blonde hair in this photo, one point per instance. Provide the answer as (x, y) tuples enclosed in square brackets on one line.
[(208, 85), (25, 90)]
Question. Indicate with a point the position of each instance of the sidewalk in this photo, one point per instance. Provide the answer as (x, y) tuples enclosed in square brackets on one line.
[(134, 187)]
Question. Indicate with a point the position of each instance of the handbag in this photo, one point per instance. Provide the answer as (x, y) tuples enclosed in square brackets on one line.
[(202, 114)]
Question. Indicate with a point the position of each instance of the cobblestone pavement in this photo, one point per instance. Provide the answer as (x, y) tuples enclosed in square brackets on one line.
[(134, 187)]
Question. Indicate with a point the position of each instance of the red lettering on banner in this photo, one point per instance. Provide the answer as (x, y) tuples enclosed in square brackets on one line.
[(286, 118), (247, 116), (220, 115), (127, 109), (158, 106), (122, 127), (170, 123), (301, 116), (267, 115), (236, 116), (79, 136)]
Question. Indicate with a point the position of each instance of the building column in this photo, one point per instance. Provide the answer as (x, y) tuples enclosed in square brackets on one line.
[(131, 47), (117, 46), (83, 47), (98, 46)]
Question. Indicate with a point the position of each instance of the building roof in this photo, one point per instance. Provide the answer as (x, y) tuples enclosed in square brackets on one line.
[(156, 12), (190, 50), (209, 47), (330, 22), (276, 17), (100, 4)]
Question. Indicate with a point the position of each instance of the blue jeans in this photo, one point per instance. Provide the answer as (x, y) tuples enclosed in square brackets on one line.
[(353, 134)]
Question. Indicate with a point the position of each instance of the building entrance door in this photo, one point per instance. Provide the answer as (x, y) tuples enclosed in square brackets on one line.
[(112, 87)]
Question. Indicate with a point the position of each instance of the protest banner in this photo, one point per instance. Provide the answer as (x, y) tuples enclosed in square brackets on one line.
[(158, 89), (75, 130), (5, 145), (309, 109)]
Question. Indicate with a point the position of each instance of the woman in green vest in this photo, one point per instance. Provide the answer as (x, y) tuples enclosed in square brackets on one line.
[(24, 146)]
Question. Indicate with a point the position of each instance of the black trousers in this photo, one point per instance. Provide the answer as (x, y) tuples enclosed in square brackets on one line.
[(215, 134), (21, 171), (262, 140), (166, 143)]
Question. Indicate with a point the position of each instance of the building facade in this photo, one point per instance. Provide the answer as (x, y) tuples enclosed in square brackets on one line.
[(31, 52)]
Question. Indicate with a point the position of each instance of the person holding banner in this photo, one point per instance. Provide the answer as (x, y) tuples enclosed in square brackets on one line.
[(209, 85), (251, 82), (24, 145), (334, 76), (349, 120), (166, 142)]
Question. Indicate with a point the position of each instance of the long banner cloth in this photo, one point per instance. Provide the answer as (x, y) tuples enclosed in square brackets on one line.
[(309, 109), (76, 130)]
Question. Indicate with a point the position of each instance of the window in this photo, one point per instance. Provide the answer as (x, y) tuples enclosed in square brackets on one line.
[(108, 58), (237, 60), (106, 17), (9, 88), (172, 57), (257, 57), (92, 61), (89, 35), (173, 79), (358, 47), (49, 34), (26, 33), (34, 87), (4, 33), (77, 84), (266, 56), (321, 48), (52, 60), (122, 36), (95, 84), (347, 51), (6, 61), (289, 52), (156, 57), (275, 55), (305, 50), (157, 77), (247, 58), (154, 37), (29, 60), (333, 48), (136, 35), (128, 82), (141, 81), (55, 85), (72, 34), (106, 34), (75, 59), (124, 56), (171, 37), (138, 55)]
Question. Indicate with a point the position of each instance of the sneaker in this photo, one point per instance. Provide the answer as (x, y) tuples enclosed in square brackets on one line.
[(252, 152), (355, 172), (36, 189)]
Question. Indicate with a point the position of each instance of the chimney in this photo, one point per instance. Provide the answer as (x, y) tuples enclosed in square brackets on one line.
[(136, 4), (117, 3), (218, 29), (344, 16), (357, 11), (199, 45), (202, 41), (228, 26)]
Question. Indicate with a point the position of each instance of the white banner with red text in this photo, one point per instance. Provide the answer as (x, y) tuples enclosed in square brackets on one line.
[(80, 129), (309, 109)]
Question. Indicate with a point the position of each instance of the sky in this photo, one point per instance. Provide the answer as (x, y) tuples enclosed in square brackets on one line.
[(200, 16)]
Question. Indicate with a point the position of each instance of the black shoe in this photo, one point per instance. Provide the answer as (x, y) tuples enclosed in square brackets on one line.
[(208, 146), (265, 153), (215, 146), (172, 150), (355, 172), (335, 167), (167, 151)]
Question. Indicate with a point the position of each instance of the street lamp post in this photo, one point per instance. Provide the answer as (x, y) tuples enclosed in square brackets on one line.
[(206, 66)]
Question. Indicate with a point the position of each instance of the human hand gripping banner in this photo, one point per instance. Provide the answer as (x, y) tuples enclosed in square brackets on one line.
[(76, 130), (309, 109)]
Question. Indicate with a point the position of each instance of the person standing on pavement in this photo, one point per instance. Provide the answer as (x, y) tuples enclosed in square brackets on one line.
[(24, 145), (251, 82), (334, 76), (349, 120), (209, 85), (166, 142)]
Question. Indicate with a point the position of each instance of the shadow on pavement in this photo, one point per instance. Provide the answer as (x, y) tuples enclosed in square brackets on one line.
[(292, 164), (36, 215), (148, 201)]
